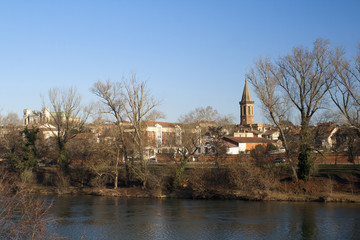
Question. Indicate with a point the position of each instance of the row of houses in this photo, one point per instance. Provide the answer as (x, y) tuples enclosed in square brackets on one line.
[(165, 137)]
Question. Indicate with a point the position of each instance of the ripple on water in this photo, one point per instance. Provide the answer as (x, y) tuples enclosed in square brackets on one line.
[(111, 218)]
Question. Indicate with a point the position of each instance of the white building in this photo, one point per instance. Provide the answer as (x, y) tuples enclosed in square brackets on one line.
[(35, 116)]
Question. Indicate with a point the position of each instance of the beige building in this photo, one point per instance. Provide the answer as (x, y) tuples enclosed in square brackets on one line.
[(35, 116)]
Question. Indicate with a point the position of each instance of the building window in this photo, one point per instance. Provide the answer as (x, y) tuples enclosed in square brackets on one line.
[(159, 137), (178, 136)]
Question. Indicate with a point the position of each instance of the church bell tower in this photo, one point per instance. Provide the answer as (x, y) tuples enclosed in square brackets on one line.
[(246, 107)]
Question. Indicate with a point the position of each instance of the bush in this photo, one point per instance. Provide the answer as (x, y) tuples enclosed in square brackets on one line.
[(101, 181), (23, 216), (62, 181), (27, 176), (248, 177), (259, 153), (207, 182)]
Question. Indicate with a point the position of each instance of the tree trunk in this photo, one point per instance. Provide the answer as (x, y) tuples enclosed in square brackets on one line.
[(305, 159), (116, 170), (127, 170), (63, 160), (288, 154)]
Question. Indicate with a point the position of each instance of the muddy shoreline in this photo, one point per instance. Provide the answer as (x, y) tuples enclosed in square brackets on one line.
[(138, 192)]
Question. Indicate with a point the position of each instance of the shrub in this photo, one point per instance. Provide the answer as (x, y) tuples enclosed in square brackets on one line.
[(207, 182), (27, 176), (23, 216)]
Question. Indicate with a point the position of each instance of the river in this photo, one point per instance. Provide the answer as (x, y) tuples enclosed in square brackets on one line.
[(118, 218)]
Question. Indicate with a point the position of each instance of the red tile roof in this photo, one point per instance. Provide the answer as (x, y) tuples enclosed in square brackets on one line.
[(163, 124), (247, 140), (228, 144), (85, 135)]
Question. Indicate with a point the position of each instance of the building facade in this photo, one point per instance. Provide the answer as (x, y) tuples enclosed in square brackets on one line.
[(35, 116)]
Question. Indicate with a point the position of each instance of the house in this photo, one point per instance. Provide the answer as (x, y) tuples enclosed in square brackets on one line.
[(88, 136), (162, 137), (48, 130), (35, 116), (346, 139), (232, 147), (272, 134), (237, 145), (325, 135), (43, 116)]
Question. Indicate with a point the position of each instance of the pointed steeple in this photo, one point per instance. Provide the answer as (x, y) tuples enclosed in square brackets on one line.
[(246, 97), (246, 107)]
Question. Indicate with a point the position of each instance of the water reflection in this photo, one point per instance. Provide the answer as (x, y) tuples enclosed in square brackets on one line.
[(114, 218)]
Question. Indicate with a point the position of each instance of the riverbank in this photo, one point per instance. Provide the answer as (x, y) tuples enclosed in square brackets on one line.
[(137, 192), (317, 189), (238, 181)]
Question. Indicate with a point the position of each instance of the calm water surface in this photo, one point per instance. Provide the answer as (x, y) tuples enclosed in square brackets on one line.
[(116, 218)]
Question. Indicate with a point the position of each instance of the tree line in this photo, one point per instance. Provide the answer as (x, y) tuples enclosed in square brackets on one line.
[(301, 84)]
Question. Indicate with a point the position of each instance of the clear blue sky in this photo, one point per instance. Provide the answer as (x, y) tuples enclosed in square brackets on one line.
[(191, 53)]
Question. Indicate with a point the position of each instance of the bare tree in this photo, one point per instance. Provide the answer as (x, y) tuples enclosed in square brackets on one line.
[(68, 117), (345, 89), (128, 101), (218, 146), (265, 78), (194, 125), (10, 139), (11, 145), (10, 119), (113, 103), (304, 78), (155, 115), (203, 122), (207, 114), (187, 144), (139, 105), (190, 141), (104, 157), (198, 123)]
